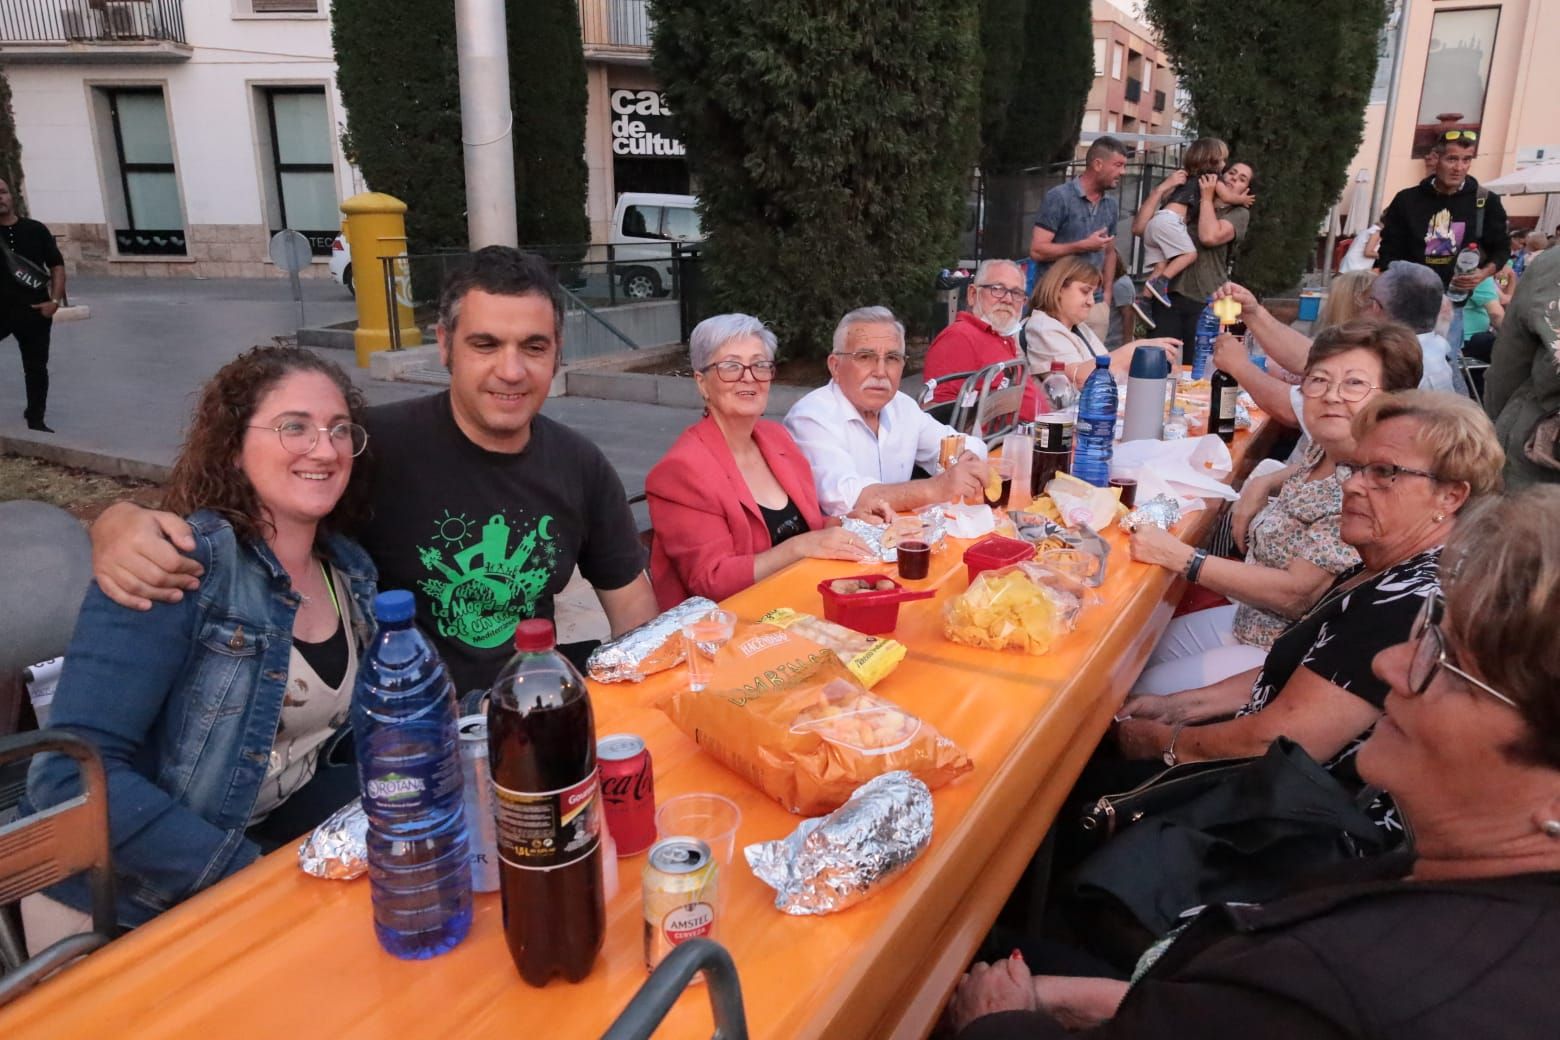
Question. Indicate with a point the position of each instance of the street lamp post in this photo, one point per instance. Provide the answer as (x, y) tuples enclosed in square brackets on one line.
[(486, 122)]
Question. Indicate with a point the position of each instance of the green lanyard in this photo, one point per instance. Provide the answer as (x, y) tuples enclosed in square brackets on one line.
[(331, 585)]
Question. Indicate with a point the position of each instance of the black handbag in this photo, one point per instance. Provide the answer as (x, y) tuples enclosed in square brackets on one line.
[(1238, 830), (23, 271)]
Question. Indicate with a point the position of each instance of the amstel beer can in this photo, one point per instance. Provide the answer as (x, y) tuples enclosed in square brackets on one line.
[(680, 887), (627, 791)]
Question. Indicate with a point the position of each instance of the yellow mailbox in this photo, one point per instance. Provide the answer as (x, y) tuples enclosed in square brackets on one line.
[(376, 228)]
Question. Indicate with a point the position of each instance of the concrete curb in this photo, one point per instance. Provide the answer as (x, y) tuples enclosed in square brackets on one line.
[(84, 458)]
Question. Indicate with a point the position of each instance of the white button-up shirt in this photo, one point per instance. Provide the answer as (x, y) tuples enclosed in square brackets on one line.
[(847, 457)]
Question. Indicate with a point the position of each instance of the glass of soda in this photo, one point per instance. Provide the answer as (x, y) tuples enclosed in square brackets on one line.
[(1001, 481)]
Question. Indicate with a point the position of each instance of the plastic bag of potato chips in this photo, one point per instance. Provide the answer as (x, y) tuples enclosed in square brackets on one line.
[(1026, 607), (785, 713)]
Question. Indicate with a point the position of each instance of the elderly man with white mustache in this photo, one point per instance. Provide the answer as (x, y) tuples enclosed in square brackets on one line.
[(863, 438)]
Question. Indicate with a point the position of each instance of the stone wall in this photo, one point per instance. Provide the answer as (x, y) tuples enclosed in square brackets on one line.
[(216, 251)]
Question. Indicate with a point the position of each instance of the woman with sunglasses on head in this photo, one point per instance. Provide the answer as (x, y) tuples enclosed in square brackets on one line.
[(1449, 938), (215, 715), (1294, 548), (733, 500), (1058, 330)]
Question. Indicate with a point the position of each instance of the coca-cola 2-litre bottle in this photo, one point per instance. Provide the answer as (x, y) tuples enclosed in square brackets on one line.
[(547, 800)]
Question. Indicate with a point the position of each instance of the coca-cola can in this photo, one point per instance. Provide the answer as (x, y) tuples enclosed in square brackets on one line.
[(680, 896), (476, 779), (627, 791)]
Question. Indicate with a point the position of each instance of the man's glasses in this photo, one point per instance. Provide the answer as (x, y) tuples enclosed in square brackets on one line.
[(1002, 292), (1470, 136), (1352, 389), (1379, 476), (732, 371), (870, 358), (1430, 652), (300, 438)]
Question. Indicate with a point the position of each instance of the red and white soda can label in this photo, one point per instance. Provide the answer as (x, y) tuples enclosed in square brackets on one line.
[(689, 921)]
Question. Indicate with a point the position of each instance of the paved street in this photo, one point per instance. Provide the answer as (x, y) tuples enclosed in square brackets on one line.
[(123, 384)]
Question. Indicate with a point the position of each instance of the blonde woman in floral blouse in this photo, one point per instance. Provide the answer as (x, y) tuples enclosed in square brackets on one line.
[(1293, 546)]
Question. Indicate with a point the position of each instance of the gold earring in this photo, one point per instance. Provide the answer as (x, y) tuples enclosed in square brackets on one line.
[(1440, 518)]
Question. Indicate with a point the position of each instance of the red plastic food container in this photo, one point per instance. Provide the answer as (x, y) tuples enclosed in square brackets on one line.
[(995, 551), (872, 613)]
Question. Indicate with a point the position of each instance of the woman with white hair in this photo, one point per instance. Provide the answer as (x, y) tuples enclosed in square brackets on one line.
[(733, 501)]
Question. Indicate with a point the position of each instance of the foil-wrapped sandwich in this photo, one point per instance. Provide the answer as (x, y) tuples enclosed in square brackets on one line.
[(338, 848), (832, 862), (1159, 511), (929, 526), (653, 647)]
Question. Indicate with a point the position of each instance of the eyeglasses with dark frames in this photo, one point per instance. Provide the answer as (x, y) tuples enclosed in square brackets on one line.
[(1430, 653), (1002, 292), (732, 371), (1379, 476), (299, 438)]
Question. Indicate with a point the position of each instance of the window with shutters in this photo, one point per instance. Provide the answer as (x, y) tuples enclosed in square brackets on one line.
[(275, 7)]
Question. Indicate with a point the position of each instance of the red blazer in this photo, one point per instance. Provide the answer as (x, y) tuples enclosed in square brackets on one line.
[(707, 526)]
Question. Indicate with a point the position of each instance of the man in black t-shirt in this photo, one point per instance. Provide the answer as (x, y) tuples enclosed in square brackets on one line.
[(27, 311), (481, 507)]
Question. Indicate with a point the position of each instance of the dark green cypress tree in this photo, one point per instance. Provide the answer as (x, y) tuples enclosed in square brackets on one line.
[(831, 145), (396, 69), (10, 147), (1285, 84), (1044, 110)]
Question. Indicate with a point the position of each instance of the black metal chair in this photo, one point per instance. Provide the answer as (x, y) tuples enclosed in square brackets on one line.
[(661, 990), (56, 843)]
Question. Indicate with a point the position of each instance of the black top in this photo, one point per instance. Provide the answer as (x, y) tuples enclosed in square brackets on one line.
[(1341, 635), (33, 240), (487, 539), (785, 522), (1369, 957), (328, 657), (1426, 227)]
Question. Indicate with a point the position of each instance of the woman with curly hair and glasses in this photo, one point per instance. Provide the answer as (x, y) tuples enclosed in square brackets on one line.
[(215, 715)]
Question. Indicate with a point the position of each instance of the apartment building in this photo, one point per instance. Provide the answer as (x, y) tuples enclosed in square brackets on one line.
[(174, 137)]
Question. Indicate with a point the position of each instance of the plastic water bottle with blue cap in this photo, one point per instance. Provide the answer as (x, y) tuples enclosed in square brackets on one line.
[(1095, 433), (408, 751)]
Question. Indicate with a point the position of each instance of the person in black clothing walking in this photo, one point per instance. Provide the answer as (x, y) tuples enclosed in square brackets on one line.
[(27, 311)]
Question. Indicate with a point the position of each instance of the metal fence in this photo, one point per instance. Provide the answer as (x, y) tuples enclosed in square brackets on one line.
[(611, 304), (70, 21)]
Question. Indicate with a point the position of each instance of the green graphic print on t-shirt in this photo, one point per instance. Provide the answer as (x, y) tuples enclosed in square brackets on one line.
[(489, 589)]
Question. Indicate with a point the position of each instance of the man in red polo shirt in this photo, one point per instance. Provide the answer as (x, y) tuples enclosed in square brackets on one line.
[(983, 335)]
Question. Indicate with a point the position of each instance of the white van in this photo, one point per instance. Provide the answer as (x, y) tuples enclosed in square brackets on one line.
[(644, 228)]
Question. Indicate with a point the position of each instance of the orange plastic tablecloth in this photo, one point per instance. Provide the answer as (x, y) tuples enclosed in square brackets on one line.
[(271, 952)]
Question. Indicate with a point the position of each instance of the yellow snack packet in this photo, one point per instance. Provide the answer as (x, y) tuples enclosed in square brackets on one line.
[(869, 658)]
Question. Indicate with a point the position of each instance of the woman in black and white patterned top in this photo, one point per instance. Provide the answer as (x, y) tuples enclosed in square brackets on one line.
[(1421, 457)]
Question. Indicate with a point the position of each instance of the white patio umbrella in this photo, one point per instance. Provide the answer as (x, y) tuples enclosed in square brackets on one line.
[(1538, 179), (1359, 204)]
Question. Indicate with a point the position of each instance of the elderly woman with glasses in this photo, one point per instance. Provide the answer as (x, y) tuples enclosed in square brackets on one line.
[(733, 500), (1418, 458), (1058, 330), (218, 716), (1450, 938), (1294, 546)]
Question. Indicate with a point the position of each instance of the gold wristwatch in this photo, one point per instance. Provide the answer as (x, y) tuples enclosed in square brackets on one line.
[(1169, 752)]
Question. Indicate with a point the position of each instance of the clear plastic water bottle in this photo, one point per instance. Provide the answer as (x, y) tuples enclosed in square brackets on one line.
[(1207, 332), (1467, 262), (1060, 394), (1094, 436), (408, 751)]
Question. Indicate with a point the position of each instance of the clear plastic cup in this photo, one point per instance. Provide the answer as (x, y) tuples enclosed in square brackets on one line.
[(701, 640), (711, 818)]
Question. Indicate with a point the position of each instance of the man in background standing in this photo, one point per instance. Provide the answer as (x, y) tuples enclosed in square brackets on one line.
[(1079, 217), (32, 288)]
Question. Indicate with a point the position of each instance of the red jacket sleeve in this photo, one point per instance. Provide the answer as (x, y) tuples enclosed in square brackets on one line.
[(693, 528)]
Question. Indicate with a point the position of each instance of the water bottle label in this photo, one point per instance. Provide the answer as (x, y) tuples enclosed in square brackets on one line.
[(544, 830), (412, 788)]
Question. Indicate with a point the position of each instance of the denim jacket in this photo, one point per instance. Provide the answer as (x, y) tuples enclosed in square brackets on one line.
[(182, 702)]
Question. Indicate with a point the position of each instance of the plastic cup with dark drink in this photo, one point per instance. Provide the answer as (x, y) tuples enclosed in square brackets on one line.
[(999, 479), (915, 560), (1128, 486)]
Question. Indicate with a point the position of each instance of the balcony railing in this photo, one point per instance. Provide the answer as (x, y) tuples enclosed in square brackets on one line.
[(1134, 89), (91, 21), (616, 23)]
